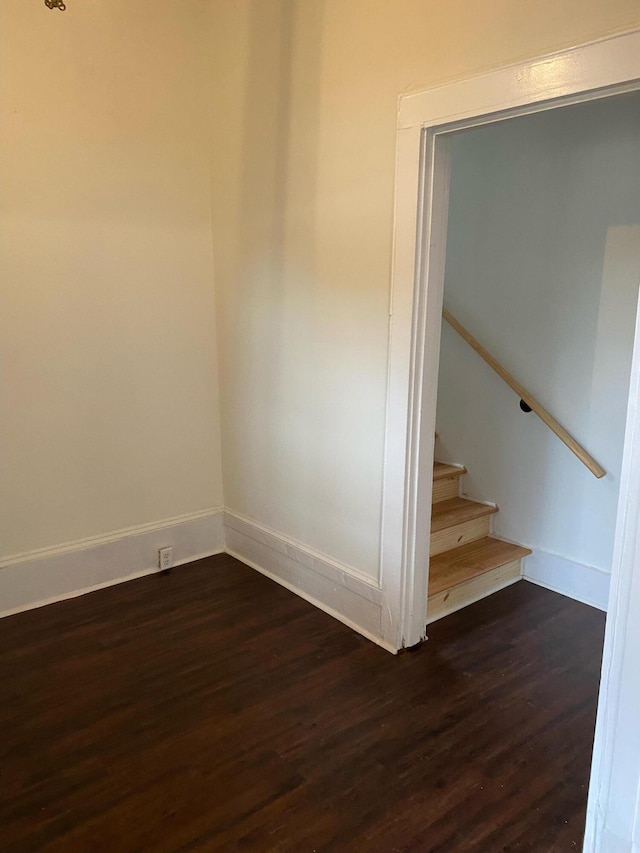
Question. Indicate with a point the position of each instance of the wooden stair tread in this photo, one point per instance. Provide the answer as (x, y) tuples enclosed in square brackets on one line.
[(468, 561), (457, 511), (443, 471)]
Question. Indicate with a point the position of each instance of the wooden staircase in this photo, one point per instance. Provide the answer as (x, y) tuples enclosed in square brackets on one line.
[(466, 563)]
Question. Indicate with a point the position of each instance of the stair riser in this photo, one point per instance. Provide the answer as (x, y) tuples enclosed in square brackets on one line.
[(459, 534), (444, 490), (468, 592)]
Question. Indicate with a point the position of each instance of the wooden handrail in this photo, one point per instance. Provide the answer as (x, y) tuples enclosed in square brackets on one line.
[(529, 399)]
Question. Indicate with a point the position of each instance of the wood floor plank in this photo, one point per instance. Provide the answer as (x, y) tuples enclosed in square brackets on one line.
[(211, 709)]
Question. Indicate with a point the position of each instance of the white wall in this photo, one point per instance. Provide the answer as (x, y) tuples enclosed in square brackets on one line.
[(303, 205), (613, 812), (108, 368), (543, 267)]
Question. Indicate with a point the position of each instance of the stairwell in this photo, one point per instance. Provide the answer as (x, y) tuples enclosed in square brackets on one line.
[(466, 562)]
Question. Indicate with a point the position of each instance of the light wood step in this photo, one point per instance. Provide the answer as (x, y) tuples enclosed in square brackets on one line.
[(456, 521), (441, 470), (469, 561), (446, 481), (472, 572), (443, 603)]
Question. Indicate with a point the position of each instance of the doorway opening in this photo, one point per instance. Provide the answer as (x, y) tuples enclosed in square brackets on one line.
[(543, 267)]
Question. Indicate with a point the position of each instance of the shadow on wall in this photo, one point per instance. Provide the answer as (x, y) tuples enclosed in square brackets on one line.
[(273, 297)]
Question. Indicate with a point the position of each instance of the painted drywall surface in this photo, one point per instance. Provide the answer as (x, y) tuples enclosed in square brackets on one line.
[(108, 374), (543, 266), (613, 809), (303, 181)]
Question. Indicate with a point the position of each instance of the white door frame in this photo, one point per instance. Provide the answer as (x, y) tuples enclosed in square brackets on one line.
[(425, 123)]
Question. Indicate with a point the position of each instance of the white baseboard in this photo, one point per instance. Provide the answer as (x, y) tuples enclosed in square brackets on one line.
[(341, 591), (52, 574), (583, 583), (42, 577), (609, 842)]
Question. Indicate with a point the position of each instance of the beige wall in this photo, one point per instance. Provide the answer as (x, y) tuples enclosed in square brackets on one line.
[(303, 203), (108, 375)]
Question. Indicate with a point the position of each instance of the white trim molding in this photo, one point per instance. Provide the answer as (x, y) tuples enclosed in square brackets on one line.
[(340, 590), (42, 577), (575, 580)]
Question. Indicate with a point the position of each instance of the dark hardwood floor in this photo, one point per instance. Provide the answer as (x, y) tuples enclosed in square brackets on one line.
[(210, 709)]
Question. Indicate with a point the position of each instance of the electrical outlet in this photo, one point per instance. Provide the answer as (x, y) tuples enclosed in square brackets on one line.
[(165, 558)]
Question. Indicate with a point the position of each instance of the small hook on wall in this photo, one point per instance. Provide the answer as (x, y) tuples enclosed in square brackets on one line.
[(55, 4)]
